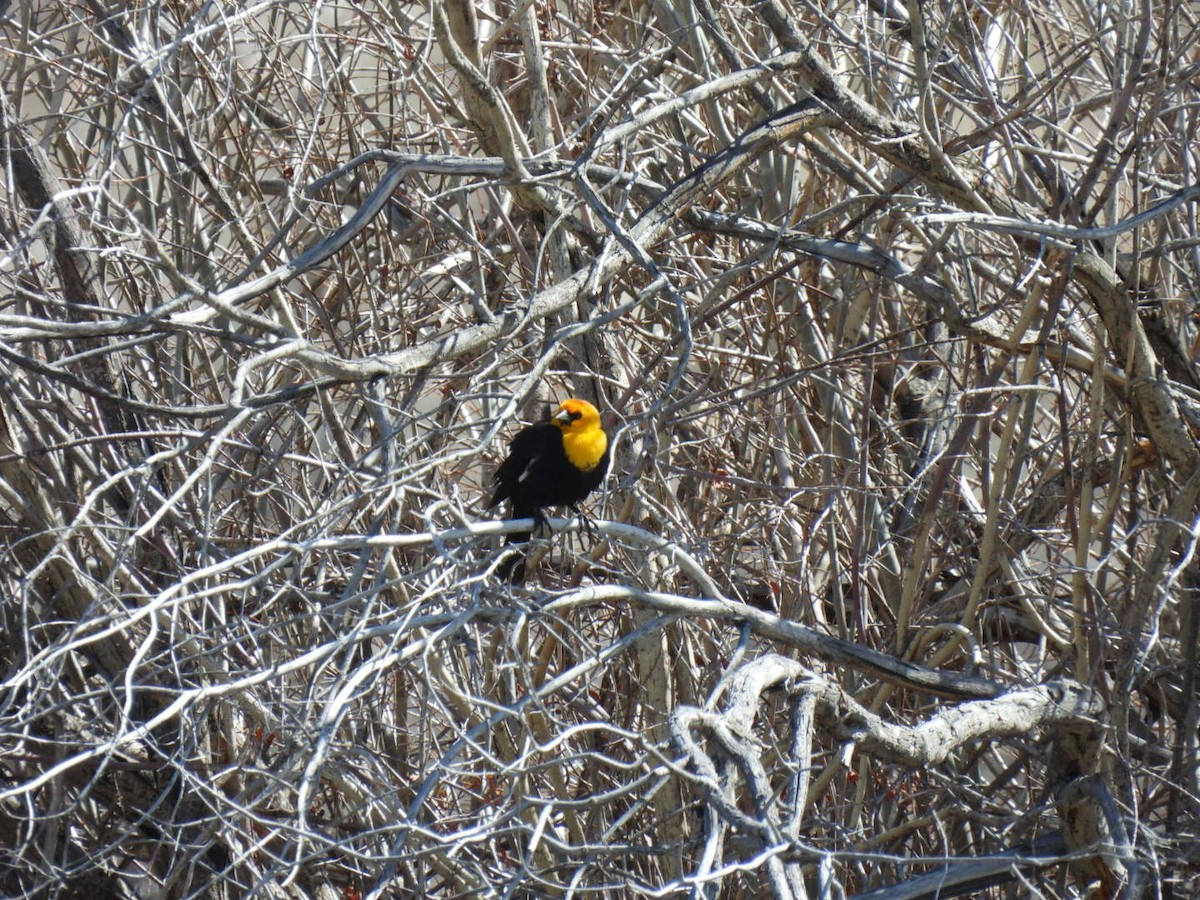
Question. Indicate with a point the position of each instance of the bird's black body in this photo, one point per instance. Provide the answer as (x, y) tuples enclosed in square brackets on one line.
[(539, 473)]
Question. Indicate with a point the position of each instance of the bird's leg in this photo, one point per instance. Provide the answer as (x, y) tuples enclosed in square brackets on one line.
[(586, 525), (541, 526)]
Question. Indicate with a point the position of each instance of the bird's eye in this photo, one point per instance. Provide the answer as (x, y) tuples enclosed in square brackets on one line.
[(576, 416)]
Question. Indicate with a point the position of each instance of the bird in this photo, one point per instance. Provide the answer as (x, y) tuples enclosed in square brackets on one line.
[(556, 462)]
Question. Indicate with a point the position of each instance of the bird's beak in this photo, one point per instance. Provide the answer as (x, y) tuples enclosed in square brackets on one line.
[(562, 416)]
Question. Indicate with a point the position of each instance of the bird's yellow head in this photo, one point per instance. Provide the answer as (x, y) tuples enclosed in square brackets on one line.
[(583, 436)]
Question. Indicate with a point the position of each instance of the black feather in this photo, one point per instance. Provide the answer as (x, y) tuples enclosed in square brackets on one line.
[(537, 474)]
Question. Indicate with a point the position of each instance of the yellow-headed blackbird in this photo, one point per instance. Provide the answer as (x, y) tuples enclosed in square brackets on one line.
[(557, 462)]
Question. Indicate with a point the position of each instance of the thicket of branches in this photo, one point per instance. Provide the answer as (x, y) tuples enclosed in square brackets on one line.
[(891, 311)]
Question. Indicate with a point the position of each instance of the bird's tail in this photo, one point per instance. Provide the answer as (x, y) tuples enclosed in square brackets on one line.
[(512, 567)]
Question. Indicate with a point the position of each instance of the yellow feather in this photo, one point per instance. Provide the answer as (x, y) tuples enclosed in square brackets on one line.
[(584, 439)]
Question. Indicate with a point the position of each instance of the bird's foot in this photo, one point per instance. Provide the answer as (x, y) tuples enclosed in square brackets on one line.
[(541, 525), (586, 524)]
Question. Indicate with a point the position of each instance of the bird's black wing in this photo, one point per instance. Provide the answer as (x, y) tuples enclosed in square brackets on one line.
[(523, 479), (517, 478)]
